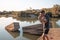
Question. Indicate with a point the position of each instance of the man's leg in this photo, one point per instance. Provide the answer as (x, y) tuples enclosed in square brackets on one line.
[(45, 35)]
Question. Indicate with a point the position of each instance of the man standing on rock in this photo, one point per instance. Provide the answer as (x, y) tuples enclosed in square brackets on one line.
[(44, 19)]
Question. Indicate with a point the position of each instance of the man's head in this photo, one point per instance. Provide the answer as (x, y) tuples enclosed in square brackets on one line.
[(42, 11)]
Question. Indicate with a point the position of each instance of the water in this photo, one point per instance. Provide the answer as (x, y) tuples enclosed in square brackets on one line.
[(55, 22), (58, 23), (6, 35)]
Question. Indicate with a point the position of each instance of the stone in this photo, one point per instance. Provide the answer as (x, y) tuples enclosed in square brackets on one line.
[(13, 26), (33, 29), (36, 29)]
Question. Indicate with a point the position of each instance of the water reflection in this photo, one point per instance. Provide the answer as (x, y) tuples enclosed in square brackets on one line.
[(14, 34), (6, 35), (58, 23), (55, 22), (31, 37), (28, 19)]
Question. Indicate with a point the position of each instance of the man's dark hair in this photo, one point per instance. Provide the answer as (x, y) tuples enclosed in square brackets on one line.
[(42, 11)]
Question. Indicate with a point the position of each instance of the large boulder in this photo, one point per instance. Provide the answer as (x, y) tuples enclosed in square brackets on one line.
[(36, 29), (33, 29), (13, 26)]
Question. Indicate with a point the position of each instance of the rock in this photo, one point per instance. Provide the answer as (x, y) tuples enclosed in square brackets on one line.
[(34, 29), (13, 26)]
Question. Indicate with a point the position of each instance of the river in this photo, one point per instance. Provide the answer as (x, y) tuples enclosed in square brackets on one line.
[(6, 35)]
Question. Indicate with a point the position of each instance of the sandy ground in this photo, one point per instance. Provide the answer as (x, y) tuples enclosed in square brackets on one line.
[(54, 34)]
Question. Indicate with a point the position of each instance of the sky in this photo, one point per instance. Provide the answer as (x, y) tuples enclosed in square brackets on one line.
[(18, 5)]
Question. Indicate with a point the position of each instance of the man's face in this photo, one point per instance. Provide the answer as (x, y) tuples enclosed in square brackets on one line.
[(43, 13)]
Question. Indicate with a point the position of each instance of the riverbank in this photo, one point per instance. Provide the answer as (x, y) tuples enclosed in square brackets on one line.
[(54, 34)]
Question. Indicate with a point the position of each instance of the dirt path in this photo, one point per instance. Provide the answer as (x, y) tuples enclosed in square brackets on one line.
[(54, 34)]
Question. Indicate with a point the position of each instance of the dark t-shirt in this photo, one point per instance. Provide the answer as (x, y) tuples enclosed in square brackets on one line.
[(47, 24)]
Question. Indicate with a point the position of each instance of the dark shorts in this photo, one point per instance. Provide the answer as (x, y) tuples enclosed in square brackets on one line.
[(47, 26), (46, 31)]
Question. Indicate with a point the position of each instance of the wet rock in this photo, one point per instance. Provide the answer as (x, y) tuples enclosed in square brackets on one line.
[(13, 26), (34, 29)]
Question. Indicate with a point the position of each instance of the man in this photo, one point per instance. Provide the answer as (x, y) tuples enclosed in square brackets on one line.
[(44, 19)]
